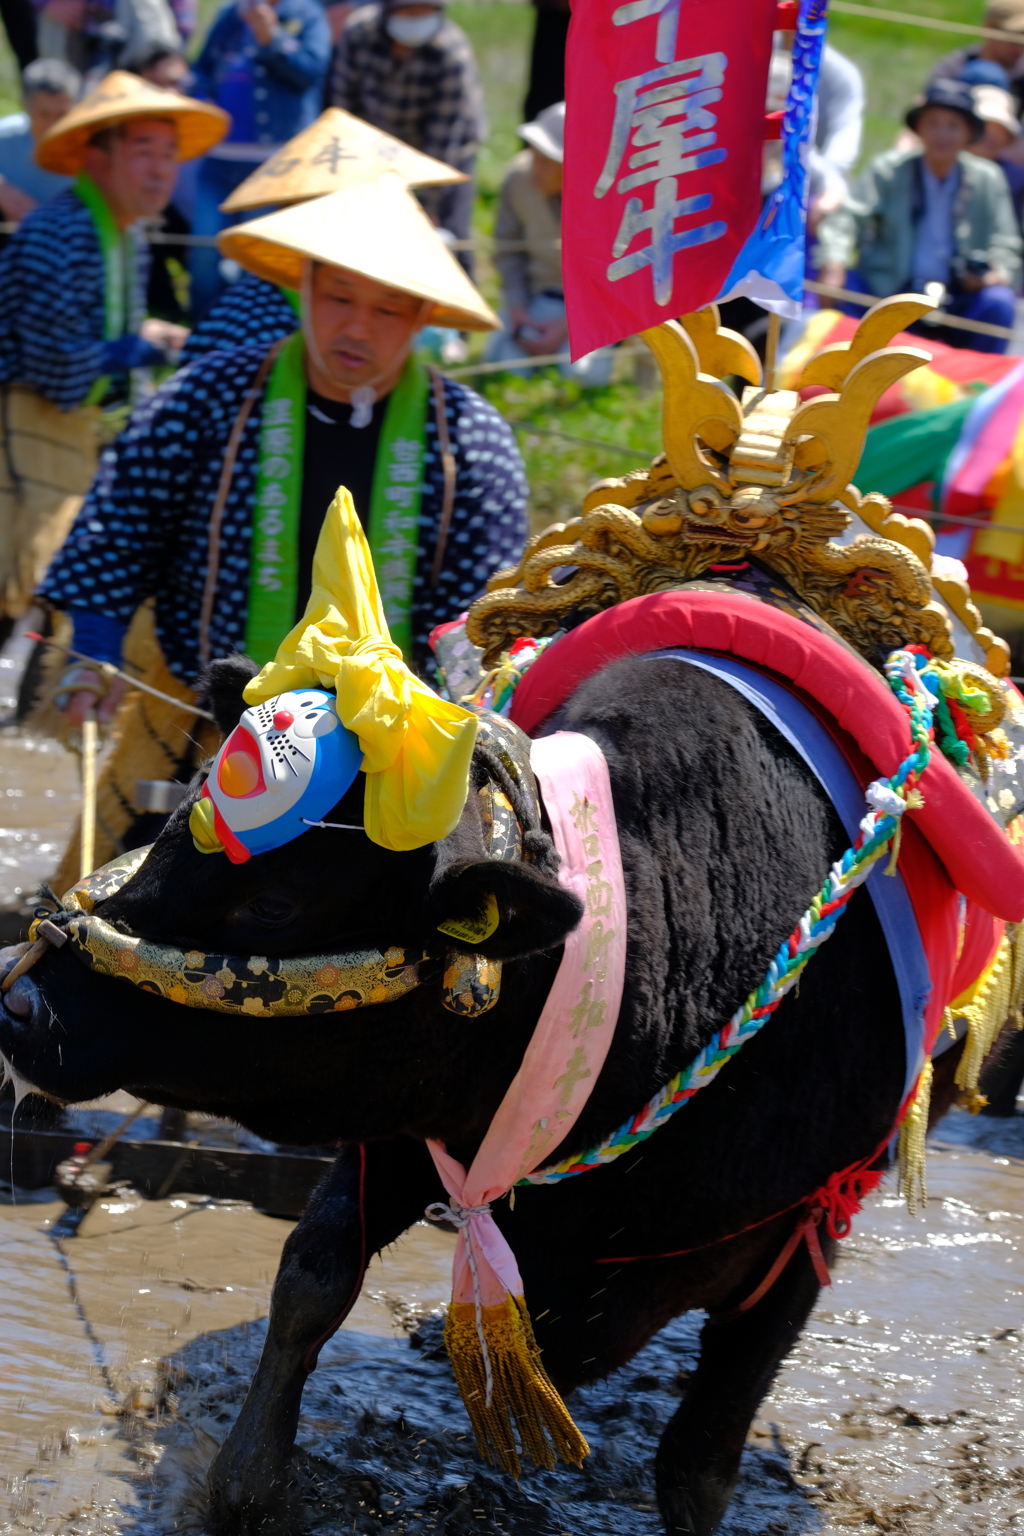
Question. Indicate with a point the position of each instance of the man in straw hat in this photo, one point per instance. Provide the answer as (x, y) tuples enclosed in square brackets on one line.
[(210, 503), (337, 151), (72, 323), (72, 279)]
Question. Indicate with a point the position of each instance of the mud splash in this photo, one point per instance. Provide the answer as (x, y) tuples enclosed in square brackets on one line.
[(127, 1349)]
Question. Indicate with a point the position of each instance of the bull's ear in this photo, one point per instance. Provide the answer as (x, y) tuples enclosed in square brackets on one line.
[(221, 688), (533, 911)]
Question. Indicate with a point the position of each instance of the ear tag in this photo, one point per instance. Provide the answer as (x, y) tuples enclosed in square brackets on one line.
[(473, 930)]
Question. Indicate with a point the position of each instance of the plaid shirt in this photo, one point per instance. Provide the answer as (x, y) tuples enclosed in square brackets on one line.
[(431, 99)]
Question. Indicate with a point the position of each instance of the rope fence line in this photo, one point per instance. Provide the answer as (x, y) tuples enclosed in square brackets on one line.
[(909, 19), (583, 442), (937, 317)]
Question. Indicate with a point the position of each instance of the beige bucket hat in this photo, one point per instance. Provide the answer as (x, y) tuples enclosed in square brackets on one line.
[(118, 98), (376, 228), (336, 151), (994, 105)]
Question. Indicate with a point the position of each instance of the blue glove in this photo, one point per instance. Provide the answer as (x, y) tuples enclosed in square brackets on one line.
[(131, 352)]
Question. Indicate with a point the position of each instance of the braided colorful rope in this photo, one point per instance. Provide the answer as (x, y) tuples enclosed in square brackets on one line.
[(887, 801)]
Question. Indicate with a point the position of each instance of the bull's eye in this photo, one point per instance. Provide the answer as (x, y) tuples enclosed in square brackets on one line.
[(272, 910)]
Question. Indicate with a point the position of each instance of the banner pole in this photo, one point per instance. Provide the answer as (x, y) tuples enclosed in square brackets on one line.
[(771, 351)]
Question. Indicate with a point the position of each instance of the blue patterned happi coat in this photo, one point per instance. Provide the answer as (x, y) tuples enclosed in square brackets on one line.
[(144, 526), (52, 305)]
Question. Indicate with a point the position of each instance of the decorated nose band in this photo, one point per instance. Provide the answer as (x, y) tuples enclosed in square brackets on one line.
[(284, 766)]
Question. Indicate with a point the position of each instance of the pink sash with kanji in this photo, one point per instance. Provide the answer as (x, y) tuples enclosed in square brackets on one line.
[(571, 1040)]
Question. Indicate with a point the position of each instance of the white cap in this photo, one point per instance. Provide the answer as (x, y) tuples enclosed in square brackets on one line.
[(994, 105), (547, 132)]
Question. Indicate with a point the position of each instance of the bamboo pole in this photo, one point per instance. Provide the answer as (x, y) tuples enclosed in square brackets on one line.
[(88, 837)]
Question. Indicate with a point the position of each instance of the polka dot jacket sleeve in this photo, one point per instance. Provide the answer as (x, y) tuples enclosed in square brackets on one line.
[(251, 313), (144, 526), (52, 304), (488, 526)]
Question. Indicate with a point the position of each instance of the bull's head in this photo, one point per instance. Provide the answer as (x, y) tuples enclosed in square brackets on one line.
[(388, 946)]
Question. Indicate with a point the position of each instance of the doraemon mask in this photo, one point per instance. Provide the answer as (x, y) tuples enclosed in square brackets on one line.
[(284, 766)]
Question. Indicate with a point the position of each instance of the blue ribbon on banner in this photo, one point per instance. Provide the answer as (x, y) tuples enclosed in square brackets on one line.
[(770, 267)]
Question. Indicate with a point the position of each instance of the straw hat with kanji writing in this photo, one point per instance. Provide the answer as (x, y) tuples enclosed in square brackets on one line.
[(117, 99), (336, 151), (377, 229)]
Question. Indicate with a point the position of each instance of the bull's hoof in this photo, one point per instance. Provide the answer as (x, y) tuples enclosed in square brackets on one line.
[(694, 1506), (248, 1495)]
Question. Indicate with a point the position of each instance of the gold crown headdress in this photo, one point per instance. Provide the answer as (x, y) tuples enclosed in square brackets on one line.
[(764, 476)]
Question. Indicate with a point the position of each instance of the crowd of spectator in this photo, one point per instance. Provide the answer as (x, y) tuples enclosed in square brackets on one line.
[(940, 210)]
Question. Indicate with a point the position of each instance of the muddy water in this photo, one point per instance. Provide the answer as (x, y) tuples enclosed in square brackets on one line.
[(125, 1351), (126, 1346), (39, 795)]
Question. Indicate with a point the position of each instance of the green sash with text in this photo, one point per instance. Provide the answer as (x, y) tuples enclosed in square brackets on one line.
[(394, 504)]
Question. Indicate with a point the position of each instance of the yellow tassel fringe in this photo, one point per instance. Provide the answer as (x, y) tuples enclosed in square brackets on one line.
[(910, 1152), (522, 1389), (986, 1005)]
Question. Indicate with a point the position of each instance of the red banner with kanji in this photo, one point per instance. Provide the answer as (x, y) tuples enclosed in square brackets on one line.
[(664, 128)]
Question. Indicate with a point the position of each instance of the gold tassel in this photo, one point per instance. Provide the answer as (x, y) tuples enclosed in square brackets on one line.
[(522, 1389), (986, 1006), (910, 1154)]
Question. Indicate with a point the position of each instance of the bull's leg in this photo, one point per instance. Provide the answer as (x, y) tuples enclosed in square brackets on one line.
[(372, 1195), (699, 1456)]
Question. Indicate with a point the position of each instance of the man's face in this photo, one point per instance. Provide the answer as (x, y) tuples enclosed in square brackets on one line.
[(943, 132), (993, 142), (1002, 52), (359, 326), (546, 174), (140, 168), (44, 108)]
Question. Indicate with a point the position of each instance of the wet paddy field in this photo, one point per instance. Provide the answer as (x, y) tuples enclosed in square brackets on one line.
[(127, 1340)]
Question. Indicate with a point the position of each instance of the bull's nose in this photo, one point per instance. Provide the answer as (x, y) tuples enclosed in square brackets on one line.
[(19, 999)]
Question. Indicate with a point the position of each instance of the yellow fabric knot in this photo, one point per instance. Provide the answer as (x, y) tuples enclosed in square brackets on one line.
[(416, 746)]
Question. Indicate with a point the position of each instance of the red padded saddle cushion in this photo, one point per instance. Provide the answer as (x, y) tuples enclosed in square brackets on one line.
[(979, 858)]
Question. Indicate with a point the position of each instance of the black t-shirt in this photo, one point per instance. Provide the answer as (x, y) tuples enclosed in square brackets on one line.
[(335, 453)]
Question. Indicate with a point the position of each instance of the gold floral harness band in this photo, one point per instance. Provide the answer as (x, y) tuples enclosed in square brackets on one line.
[(262, 985)]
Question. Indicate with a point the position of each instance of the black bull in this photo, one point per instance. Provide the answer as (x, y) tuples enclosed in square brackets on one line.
[(725, 837)]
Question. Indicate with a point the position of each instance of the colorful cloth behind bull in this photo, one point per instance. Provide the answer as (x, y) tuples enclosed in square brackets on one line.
[(965, 460)]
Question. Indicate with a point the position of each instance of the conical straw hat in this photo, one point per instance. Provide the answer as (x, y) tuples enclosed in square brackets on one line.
[(336, 151), (119, 97), (377, 229)]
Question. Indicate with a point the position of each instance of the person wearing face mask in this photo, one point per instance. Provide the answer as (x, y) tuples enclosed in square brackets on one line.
[(410, 71), (210, 503)]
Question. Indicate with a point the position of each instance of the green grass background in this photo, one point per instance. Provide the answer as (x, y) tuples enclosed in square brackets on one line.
[(894, 60)]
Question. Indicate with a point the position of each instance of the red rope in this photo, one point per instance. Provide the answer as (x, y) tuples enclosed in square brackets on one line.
[(839, 1199)]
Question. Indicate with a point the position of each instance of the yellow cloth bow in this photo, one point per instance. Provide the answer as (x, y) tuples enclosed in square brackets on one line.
[(416, 747)]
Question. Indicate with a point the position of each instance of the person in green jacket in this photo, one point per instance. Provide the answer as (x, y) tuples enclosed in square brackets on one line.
[(937, 215)]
